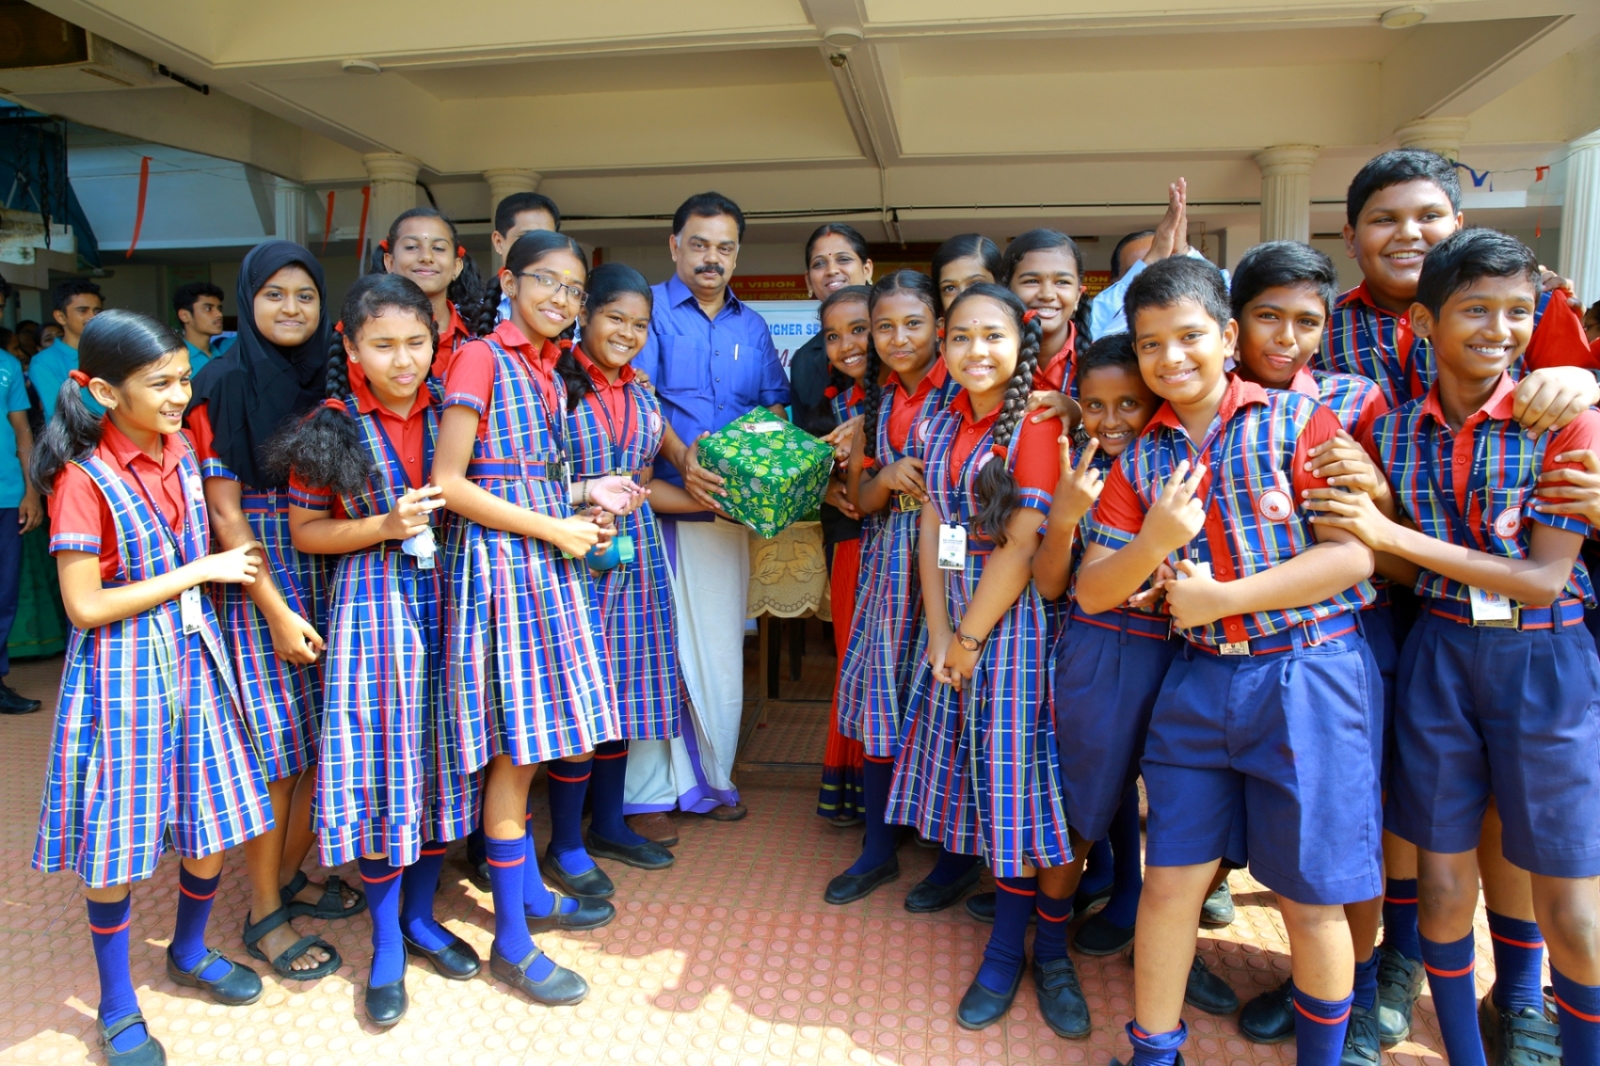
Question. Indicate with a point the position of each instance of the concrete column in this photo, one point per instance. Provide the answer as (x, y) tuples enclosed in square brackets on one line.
[(1580, 218), (1442, 135), (394, 189), (503, 181), (1286, 191), (289, 212)]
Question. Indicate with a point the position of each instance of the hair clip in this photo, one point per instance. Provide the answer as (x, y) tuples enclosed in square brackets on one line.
[(939, 333), (338, 327), (80, 378), (830, 392), (384, 244), (1029, 315), (461, 251)]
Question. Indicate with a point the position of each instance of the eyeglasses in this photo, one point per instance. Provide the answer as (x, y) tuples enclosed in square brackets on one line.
[(552, 284)]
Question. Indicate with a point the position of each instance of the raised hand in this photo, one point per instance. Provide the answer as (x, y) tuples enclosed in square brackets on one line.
[(1177, 514)]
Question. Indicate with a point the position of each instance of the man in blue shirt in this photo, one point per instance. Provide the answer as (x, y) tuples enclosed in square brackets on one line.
[(76, 302), (1135, 252), (198, 306), (711, 360), (20, 512)]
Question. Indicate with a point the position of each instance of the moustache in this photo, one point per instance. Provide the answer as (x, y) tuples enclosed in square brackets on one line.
[(710, 268)]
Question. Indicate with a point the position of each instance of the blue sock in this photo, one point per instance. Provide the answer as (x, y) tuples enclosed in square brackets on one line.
[(108, 928), (1319, 1027), (189, 933), (1156, 1049), (878, 845), (382, 884), (950, 867), (1099, 868), (1400, 918), (537, 899), (1455, 998), (1002, 957), (608, 778), (507, 858), (569, 781), (1128, 883), (1518, 953), (1050, 942), (1578, 1011), (1365, 993), (417, 888)]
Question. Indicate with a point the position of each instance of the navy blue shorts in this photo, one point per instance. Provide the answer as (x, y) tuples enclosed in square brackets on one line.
[(1515, 713), (1105, 675), (1279, 752)]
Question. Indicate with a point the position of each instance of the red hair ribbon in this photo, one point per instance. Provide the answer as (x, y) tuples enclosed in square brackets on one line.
[(1029, 315), (384, 244), (336, 404), (565, 344), (461, 251), (338, 327), (830, 392), (80, 377), (939, 332), (999, 450)]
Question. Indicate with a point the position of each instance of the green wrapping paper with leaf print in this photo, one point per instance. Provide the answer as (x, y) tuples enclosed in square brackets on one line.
[(774, 472)]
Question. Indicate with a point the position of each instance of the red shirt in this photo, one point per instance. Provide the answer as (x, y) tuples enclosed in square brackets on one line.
[(612, 396), (407, 435), (1054, 375), (906, 407), (451, 336), (197, 427), (1558, 339), (1036, 446), (470, 382), (80, 517)]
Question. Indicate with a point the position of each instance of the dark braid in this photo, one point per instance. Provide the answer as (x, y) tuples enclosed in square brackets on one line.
[(920, 286), (872, 400), (338, 386), (996, 489), (577, 379)]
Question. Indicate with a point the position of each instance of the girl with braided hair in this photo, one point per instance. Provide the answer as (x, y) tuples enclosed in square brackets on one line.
[(393, 788), (886, 635), (423, 245), (979, 769)]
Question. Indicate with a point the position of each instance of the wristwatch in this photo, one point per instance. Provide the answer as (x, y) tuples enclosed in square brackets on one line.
[(969, 643)]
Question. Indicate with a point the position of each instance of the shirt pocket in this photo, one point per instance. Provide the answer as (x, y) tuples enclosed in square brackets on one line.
[(685, 366), (1504, 518)]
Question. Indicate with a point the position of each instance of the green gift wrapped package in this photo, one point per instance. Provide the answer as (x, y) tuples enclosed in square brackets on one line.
[(774, 472)]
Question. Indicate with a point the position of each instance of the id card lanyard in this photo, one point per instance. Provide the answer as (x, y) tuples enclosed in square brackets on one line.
[(1486, 606), (953, 536), (189, 611), (555, 426), (621, 549), (421, 546)]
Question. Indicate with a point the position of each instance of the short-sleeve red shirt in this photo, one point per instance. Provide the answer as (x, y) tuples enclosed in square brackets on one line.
[(80, 517), (470, 381), (1036, 446), (906, 407), (407, 434)]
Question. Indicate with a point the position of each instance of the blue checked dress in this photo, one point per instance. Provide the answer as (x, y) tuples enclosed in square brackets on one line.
[(888, 635), (150, 750), (524, 657), (389, 772), (282, 700), (634, 600), (979, 771)]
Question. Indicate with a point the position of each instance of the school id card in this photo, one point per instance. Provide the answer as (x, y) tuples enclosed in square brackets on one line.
[(952, 547), (189, 610)]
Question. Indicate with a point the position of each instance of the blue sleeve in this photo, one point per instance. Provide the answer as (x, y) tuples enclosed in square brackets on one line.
[(47, 377), (17, 393), (648, 361), (774, 382), (1105, 313)]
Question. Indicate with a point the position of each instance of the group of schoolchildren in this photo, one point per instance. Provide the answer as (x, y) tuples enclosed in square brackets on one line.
[(1307, 564)]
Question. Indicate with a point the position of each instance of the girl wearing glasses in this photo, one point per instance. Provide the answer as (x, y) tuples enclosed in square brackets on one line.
[(525, 660)]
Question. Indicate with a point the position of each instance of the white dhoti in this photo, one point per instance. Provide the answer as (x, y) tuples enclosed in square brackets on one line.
[(710, 590)]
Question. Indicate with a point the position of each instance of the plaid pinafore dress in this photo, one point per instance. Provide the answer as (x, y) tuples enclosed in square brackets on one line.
[(150, 749)]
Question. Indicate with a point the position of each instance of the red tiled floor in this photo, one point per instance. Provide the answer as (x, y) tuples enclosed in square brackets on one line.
[(729, 957)]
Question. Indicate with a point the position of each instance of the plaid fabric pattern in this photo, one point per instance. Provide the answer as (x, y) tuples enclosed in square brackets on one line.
[(149, 750), (1347, 396), (634, 600), (282, 700), (1249, 455), (524, 655), (1504, 471), (979, 771), (888, 635)]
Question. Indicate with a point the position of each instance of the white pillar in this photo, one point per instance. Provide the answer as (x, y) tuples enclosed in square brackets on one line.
[(1286, 191), (503, 181), (289, 212), (1442, 135), (393, 178), (1580, 218)]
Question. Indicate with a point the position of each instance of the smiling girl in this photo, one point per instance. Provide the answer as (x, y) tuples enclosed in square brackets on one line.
[(1045, 269), (150, 749), (424, 246)]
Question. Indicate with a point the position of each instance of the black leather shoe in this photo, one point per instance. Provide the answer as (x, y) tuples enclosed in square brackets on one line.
[(1517, 1038), (1218, 910), (561, 989), (981, 1008), (591, 914), (926, 898), (981, 907), (1098, 936), (1399, 985), (847, 888), (1361, 1039), (149, 1053), (239, 987), (14, 702), (1208, 992), (386, 1004), (1269, 1018), (1084, 901), (592, 882), (1061, 1002), (456, 961), (646, 856)]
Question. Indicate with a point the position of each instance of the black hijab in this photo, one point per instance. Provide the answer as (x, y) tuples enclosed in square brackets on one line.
[(254, 387)]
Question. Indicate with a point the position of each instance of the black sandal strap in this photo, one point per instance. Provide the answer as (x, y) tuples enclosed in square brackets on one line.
[(121, 1025), (334, 887), (286, 958), (296, 885), (254, 932)]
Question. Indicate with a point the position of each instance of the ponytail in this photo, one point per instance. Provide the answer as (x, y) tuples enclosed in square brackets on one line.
[(576, 378), (996, 488), (871, 402), (115, 346)]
